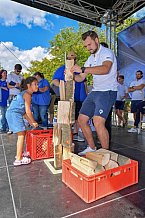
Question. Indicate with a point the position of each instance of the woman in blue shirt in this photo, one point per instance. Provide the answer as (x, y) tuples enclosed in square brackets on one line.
[(41, 100), (4, 95)]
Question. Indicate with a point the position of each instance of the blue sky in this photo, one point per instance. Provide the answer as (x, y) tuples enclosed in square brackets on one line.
[(26, 31)]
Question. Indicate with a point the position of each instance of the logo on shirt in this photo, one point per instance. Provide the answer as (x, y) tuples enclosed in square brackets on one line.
[(107, 57), (100, 111)]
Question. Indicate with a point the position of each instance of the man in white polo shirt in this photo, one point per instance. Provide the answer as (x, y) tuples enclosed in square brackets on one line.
[(137, 90), (103, 67)]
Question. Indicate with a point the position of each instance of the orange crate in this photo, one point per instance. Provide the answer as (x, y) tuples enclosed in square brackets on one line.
[(39, 144), (91, 188)]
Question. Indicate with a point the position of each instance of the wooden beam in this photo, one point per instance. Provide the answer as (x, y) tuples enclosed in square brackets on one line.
[(68, 65), (62, 90)]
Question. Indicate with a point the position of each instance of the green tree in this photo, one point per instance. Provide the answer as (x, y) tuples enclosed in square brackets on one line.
[(68, 39)]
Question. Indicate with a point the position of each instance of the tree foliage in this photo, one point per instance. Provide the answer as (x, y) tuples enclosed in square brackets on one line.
[(70, 39)]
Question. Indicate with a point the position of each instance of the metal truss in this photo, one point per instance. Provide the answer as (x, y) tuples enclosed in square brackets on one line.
[(83, 9)]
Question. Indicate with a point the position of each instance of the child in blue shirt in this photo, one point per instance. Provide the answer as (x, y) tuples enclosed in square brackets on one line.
[(17, 111)]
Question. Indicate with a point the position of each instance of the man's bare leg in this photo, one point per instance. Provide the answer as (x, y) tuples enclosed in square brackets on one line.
[(102, 132), (83, 122)]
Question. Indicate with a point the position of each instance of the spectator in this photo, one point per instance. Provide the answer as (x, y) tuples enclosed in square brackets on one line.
[(102, 65), (137, 90), (79, 95), (41, 100), (51, 107), (17, 111), (13, 82), (4, 95), (120, 101)]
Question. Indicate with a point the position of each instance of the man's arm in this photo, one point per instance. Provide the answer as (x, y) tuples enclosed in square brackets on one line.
[(134, 88), (97, 70), (55, 82)]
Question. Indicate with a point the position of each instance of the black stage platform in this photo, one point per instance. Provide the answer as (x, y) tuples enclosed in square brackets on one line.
[(34, 192)]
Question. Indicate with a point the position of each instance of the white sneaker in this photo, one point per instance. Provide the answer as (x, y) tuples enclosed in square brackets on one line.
[(88, 149), (132, 130)]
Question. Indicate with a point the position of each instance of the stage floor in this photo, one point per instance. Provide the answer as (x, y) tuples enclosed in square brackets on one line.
[(32, 191)]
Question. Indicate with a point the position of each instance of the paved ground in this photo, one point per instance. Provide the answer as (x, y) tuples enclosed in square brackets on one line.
[(34, 192)]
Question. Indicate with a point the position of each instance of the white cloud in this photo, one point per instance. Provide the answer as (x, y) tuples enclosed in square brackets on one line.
[(12, 13), (8, 60)]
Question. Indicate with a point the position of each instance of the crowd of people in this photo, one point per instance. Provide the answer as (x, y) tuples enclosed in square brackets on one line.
[(32, 98)]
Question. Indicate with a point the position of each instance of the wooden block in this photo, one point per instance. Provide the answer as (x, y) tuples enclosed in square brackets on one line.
[(122, 160), (70, 87), (68, 74), (113, 155), (68, 151), (86, 170), (81, 160), (111, 164), (66, 135), (101, 158), (99, 169), (57, 134), (62, 90), (72, 112), (63, 112), (58, 156)]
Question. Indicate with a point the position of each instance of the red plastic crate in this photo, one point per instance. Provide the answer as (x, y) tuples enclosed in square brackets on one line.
[(39, 144), (91, 188)]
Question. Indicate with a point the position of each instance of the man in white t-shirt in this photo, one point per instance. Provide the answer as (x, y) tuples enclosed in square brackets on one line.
[(13, 82), (103, 67), (137, 90), (122, 91)]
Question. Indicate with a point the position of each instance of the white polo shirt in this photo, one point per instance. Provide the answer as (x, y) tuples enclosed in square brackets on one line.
[(137, 94), (108, 81), (121, 91), (15, 78)]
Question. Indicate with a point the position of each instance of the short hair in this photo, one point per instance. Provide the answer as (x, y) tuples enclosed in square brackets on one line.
[(39, 74), (121, 76), (18, 67), (139, 71), (104, 44), (91, 34)]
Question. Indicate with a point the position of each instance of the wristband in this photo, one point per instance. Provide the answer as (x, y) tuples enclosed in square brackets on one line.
[(83, 69)]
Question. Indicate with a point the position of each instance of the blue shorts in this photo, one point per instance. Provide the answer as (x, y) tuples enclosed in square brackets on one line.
[(134, 104), (98, 103), (119, 105)]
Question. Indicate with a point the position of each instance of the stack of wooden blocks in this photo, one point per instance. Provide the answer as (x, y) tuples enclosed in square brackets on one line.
[(62, 133)]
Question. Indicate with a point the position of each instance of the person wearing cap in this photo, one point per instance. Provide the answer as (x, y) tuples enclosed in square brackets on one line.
[(102, 65), (80, 91)]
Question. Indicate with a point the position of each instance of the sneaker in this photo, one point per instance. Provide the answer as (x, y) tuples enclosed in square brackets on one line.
[(78, 138), (132, 130), (10, 132), (88, 149)]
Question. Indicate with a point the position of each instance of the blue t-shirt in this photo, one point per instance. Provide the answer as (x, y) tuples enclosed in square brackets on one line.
[(80, 91), (42, 98), (4, 94)]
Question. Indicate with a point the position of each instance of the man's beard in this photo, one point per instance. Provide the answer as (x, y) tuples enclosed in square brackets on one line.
[(94, 52)]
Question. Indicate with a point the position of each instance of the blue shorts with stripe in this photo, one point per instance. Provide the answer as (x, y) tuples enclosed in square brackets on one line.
[(98, 103)]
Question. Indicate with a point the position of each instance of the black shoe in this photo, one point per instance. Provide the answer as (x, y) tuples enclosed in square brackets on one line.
[(10, 132)]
